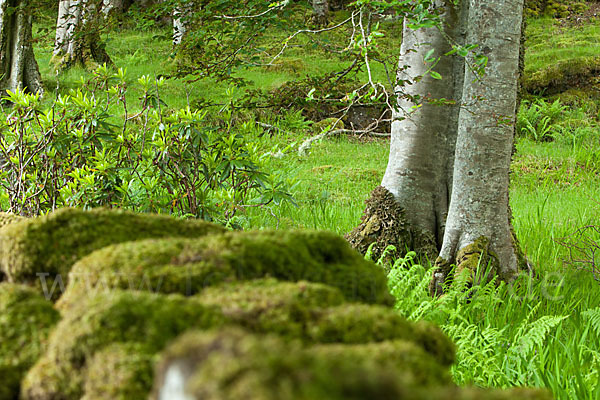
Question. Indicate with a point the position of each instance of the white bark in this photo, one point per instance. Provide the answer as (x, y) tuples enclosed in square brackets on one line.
[(419, 170), (18, 67), (181, 19), (76, 39), (69, 17), (479, 204), (109, 6)]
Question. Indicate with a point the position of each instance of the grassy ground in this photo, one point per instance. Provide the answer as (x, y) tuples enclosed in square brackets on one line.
[(542, 333)]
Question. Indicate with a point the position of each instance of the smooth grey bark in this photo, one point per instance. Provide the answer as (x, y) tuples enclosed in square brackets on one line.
[(420, 165), (18, 67), (479, 206), (449, 165), (77, 40), (320, 11)]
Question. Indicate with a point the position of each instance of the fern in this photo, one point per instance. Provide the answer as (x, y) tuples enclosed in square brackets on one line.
[(534, 334), (593, 316)]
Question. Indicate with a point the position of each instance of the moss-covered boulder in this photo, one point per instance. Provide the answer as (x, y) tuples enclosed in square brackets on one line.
[(562, 75), (232, 364), (123, 371), (316, 313), (9, 218), (189, 266), (88, 332), (25, 322), (48, 246)]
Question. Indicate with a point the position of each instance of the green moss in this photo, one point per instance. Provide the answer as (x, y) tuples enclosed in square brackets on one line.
[(8, 218), (25, 322), (189, 266), (358, 323), (51, 244), (232, 364), (315, 313), (562, 75), (293, 65), (474, 256), (119, 372), (384, 223), (327, 123), (270, 306), (554, 8), (119, 317)]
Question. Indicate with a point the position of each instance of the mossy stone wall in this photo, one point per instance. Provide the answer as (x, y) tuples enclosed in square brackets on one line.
[(266, 315)]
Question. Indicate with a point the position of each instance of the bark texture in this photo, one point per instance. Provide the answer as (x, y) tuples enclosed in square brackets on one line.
[(18, 67), (181, 14), (320, 12), (479, 207), (77, 35), (449, 164), (424, 129)]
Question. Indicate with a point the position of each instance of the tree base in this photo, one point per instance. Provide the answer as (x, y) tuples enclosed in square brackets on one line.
[(469, 260), (384, 224)]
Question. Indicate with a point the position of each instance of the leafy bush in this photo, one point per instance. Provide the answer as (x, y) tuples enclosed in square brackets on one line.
[(183, 162)]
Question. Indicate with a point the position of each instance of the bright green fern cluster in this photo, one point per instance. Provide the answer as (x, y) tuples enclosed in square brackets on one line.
[(527, 333)]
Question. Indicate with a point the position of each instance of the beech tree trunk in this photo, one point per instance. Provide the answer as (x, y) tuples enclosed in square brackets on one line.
[(449, 164), (479, 208), (320, 12), (18, 67), (77, 35)]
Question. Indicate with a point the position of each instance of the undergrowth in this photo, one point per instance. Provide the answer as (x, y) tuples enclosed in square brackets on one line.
[(536, 333)]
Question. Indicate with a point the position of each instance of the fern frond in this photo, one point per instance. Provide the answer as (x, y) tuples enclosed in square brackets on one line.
[(593, 317), (536, 333)]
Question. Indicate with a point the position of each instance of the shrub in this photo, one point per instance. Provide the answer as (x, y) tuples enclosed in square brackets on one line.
[(75, 154)]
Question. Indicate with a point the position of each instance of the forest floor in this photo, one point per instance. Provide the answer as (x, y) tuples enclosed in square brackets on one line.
[(544, 332)]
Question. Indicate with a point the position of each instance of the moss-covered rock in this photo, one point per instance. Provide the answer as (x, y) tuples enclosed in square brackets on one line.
[(329, 124), (562, 75), (315, 313), (285, 308), (8, 218), (25, 322), (232, 364), (119, 317), (49, 245), (119, 372), (554, 8), (189, 266)]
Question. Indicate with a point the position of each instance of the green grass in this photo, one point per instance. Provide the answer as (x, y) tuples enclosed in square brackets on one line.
[(539, 334), (548, 42)]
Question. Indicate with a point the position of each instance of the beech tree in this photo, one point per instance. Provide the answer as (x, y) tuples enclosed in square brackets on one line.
[(320, 11), (445, 190), (77, 34), (18, 67)]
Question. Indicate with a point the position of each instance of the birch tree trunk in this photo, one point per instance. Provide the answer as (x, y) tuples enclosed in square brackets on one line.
[(77, 37), (448, 169), (18, 67), (181, 20)]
